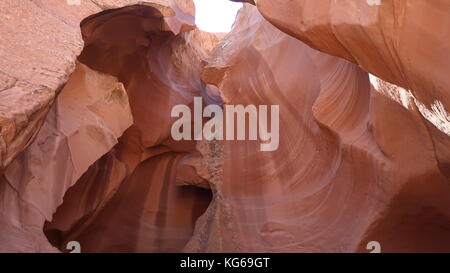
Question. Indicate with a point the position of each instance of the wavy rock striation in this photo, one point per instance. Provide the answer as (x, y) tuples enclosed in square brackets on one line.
[(160, 68), (404, 43), (105, 125), (86, 153), (353, 165), (37, 59), (78, 130)]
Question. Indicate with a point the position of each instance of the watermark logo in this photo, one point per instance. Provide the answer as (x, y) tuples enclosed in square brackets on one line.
[(235, 120), (74, 2), (74, 246), (374, 2), (375, 246)]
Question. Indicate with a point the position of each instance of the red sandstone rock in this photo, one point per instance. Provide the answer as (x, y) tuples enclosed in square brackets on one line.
[(402, 42), (89, 114), (39, 55), (357, 162), (79, 130), (159, 69), (353, 165)]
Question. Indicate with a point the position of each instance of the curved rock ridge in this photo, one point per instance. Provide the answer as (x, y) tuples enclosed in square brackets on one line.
[(78, 143), (78, 130), (39, 55), (404, 43), (353, 165), (138, 185), (86, 152)]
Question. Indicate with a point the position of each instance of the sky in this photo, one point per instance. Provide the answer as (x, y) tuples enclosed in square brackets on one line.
[(215, 15)]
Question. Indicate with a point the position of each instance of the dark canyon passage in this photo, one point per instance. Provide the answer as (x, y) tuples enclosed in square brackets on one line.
[(135, 198), (88, 156)]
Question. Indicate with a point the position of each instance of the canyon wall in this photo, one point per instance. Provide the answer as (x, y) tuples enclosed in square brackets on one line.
[(353, 165), (109, 122), (86, 152), (39, 54), (402, 42)]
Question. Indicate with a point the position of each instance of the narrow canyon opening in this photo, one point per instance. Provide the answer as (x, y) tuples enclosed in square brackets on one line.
[(146, 192), (141, 192), (86, 152)]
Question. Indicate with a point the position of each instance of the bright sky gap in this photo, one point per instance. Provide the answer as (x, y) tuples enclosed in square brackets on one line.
[(215, 15)]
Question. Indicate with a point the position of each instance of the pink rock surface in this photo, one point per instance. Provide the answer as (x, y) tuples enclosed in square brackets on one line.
[(353, 165), (39, 55), (86, 152), (88, 116), (402, 42), (159, 69), (78, 137)]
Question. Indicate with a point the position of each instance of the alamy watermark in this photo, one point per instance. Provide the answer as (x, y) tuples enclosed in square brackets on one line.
[(235, 120), (73, 2), (374, 2), (74, 246), (374, 246)]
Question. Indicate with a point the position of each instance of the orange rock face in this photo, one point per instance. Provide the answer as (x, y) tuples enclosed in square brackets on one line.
[(160, 69), (39, 55), (105, 125), (87, 155), (402, 42), (78, 130), (353, 165)]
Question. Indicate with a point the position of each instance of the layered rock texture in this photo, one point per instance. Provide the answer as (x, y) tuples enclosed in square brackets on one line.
[(86, 152), (105, 139), (353, 166)]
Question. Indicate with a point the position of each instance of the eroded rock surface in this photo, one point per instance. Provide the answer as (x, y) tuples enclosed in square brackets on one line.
[(402, 42), (39, 55), (86, 153), (159, 69), (353, 165), (77, 142), (89, 114)]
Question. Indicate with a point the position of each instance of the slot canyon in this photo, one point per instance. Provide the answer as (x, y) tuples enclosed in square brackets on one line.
[(86, 153)]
